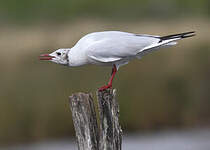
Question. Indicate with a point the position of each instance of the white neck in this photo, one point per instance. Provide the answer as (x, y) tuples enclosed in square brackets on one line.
[(77, 57)]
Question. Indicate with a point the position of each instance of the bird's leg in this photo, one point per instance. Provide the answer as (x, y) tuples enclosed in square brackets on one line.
[(114, 71)]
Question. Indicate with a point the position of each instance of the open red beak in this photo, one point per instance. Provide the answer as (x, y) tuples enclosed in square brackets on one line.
[(45, 57)]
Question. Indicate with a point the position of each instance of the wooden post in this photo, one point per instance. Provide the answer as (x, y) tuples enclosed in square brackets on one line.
[(110, 129), (85, 122), (109, 136)]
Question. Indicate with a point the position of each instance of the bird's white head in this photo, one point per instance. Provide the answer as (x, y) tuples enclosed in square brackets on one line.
[(59, 56)]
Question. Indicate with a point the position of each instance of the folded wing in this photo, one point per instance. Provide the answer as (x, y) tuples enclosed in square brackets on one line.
[(117, 46), (113, 46)]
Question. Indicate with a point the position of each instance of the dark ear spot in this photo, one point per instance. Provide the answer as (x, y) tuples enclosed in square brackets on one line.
[(66, 56)]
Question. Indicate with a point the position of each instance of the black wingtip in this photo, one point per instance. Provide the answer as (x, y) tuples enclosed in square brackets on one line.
[(180, 35), (188, 34)]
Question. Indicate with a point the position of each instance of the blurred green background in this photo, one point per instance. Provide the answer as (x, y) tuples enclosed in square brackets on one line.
[(166, 89)]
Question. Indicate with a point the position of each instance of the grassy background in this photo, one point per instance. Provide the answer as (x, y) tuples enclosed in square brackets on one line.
[(23, 11), (166, 89)]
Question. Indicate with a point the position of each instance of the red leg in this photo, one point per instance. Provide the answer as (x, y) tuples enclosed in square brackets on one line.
[(114, 71)]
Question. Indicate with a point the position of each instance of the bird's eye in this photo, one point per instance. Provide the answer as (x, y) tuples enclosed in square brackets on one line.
[(58, 53)]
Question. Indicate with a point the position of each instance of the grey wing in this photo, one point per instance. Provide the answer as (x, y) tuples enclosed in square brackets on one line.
[(115, 48)]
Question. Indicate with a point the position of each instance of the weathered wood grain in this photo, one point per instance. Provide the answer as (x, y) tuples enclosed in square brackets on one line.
[(109, 135), (85, 121), (110, 129)]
